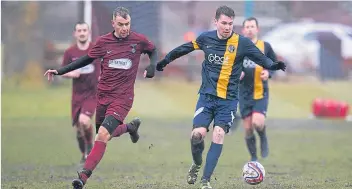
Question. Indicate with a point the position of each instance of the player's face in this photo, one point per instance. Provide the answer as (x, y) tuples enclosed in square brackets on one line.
[(224, 26), (82, 33), (122, 26), (250, 29)]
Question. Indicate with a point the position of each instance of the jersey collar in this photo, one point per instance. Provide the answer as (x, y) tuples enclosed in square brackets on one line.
[(120, 39)]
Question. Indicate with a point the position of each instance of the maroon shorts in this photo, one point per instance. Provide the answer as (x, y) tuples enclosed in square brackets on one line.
[(118, 108), (86, 107)]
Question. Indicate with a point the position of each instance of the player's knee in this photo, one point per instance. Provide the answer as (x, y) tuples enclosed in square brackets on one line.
[(110, 123), (258, 120), (84, 125), (219, 134), (103, 135), (257, 124), (219, 130), (84, 121), (199, 129), (196, 137)]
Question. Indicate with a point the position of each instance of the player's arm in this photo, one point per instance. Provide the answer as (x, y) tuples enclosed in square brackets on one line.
[(97, 51), (79, 63), (179, 51), (150, 49), (270, 54), (67, 60), (253, 53)]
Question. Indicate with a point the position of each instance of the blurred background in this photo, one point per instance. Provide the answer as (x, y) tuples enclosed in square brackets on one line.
[(313, 38)]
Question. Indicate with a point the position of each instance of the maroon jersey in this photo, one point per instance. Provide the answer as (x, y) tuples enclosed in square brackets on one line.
[(119, 65), (85, 85)]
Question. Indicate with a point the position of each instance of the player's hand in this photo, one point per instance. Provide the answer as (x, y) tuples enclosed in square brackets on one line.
[(264, 75), (279, 66), (161, 65), (149, 71), (50, 74)]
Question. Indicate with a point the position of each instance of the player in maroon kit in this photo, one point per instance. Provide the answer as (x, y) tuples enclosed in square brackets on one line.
[(120, 53), (84, 86)]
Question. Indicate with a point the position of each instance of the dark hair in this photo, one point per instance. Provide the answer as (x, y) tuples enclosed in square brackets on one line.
[(121, 11), (250, 19), (79, 23), (224, 10)]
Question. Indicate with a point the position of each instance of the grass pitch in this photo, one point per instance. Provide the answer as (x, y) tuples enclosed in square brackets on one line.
[(39, 149)]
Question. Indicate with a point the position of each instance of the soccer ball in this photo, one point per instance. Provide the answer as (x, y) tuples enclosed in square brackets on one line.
[(253, 173)]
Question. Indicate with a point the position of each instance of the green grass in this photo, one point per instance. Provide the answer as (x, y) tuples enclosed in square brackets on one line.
[(39, 149), (172, 100)]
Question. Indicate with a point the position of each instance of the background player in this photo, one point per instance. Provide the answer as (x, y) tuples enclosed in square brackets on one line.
[(224, 52), (84, 86), (254, 92), (120, 51)]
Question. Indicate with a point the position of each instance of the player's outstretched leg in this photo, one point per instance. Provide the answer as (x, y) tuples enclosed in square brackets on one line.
[(131, 127), (197, 148), (79, 182), (109, 126), (213, 156)]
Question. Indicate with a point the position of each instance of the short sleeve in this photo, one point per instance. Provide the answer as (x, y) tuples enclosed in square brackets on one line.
[(98, 50), (67, 58), (148, 46), (198, 43)]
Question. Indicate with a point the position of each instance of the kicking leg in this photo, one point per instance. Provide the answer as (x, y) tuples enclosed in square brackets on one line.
[(203, 116), (224, 111), (108, 126), (120, 109), (213, 155), (131, 127)]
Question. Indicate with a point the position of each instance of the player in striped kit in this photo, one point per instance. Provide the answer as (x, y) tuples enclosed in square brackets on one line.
[(254, 92)]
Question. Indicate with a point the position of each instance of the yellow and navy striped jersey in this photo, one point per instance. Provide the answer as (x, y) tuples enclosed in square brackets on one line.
[(251, 85), (222, 65)]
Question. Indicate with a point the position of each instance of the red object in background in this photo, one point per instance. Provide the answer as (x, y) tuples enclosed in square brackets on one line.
[(330, 108)]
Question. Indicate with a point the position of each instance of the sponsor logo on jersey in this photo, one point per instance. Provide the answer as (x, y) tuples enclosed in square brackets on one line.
[(122, 63)]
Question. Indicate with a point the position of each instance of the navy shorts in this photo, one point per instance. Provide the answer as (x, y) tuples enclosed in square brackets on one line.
[(210, 107), (247, 107)]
